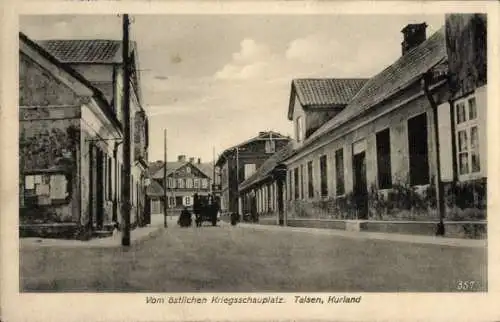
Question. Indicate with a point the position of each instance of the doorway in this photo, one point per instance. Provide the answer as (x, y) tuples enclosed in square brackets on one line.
[(360, 189), (99, 189)]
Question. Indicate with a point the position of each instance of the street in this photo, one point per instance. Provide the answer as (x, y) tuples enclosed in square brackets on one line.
[(242, 259)]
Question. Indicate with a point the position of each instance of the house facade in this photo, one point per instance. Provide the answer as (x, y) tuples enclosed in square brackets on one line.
[(67, 130), (239, 162), (101, 62), (185, 177), (398, 150)]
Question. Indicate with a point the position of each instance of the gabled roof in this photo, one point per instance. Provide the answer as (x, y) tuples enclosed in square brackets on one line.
[(402, 73), (94, 51), (155, 189), (262, 136), (156, 168), (84, 51), (325, 92), (265, 170), (97, 93)]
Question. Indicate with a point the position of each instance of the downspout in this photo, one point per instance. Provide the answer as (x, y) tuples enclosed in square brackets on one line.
[(439, 186)]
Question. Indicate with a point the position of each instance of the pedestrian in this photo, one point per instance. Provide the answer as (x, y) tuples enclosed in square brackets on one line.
[(185, 219)]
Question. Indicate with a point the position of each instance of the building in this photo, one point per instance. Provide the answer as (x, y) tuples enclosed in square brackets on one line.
[(409, 145), (264, 191), (239, 162), (67, 132), (184, 179), (101, 62)]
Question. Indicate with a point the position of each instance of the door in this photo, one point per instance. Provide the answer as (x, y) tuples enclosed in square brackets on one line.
[(360, 189), (279, 197), (92, 188), (99, 190)]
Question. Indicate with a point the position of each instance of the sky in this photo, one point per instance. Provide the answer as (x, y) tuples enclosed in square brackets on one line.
[(216, 80)]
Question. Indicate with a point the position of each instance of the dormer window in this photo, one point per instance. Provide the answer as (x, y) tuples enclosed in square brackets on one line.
[(299, 129)]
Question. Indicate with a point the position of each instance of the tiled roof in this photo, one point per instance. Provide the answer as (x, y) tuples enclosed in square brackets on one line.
[(267, 167), (406, 70), (327, 91), (155, 189), (84, 51), (156, 168)]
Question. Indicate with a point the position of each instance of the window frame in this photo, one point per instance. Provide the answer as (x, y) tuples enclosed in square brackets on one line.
[(323, 177), (299, 128), (340, 184), (389, 183), (465, 126)]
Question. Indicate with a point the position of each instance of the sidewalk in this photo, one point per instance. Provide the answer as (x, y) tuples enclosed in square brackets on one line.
[(416, 239), (139, 234)]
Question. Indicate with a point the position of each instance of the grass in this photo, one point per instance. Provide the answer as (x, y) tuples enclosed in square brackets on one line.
[(235, 259)]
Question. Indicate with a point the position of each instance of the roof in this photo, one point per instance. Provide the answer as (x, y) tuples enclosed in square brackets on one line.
[(156, 168), (324, 92), (94, 51), (267, 167), (402, 73), (155, 189), (84, 51), (267, 135), (98, 94)]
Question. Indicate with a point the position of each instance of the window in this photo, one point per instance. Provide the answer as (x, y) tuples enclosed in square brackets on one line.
[(339, 171), (418, 150), (310, 182), (171, 201), (249, 170), (299, 128), (178, 201), (196, 183), (45, 189), (467, 136), (384, 159), (110, 179), (181, 183), (171, 183), (204, 183), (188, 169), (301, 181), (296, 182), (270, 146), (323, 175), (189, 183)]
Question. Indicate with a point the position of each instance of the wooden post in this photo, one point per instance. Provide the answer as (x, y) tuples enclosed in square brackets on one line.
[(165, 202)]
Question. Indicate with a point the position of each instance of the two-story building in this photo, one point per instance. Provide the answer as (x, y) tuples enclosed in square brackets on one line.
[(184, 179), (386, 155), (101, 62), (66, 134), (239, 162)]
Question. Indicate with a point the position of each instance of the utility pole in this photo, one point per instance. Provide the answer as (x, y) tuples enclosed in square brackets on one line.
[(212, 185), (126, 141), (165, 202)]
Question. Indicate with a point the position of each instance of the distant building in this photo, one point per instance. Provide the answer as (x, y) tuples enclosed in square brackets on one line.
[(184, 179), (239, 162)]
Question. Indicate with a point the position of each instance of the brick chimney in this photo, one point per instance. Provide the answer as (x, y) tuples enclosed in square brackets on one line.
[(191, 160), (181, 158), (413, 35)]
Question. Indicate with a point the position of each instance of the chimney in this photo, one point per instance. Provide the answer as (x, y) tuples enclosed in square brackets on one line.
[(199, 161), (181, 158), (413, 35), (191, 160)]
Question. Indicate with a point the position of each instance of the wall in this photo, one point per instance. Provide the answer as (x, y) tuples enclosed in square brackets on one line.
[(342, 206), (48, 137)]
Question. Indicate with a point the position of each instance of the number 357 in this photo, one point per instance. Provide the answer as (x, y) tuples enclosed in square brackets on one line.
[(466, 285)]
